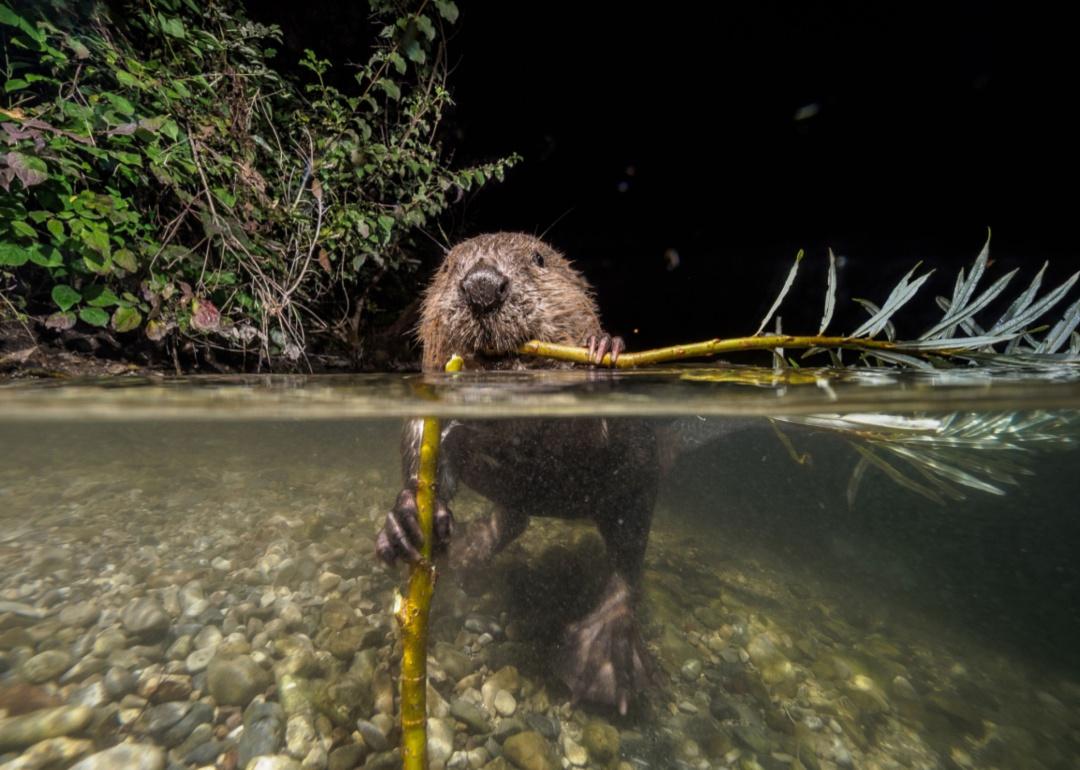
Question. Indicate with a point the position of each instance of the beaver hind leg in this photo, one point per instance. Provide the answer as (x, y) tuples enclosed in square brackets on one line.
[(603, 659)]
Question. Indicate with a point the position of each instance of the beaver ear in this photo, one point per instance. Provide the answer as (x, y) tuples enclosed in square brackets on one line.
[(538, 259)]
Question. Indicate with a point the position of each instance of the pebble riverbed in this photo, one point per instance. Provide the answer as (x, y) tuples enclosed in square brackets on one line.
[(223, 613)]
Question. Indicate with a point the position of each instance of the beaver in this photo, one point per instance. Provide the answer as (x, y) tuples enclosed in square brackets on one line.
[(490, 294)]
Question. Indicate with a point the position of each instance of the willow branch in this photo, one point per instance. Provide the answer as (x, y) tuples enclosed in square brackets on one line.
[(716, 347), (413, 609)]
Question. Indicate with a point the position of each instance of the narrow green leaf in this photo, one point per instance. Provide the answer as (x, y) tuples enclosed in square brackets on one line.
[(830, 295), (783, 291), (952, 318), (899, 297)]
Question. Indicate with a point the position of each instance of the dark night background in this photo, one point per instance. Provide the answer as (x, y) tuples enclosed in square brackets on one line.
[(735, 133)]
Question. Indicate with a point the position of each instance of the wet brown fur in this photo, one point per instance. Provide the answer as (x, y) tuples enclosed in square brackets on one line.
[(553, 303)]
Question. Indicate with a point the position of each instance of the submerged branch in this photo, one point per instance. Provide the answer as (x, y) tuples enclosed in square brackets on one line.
[(413, 609)]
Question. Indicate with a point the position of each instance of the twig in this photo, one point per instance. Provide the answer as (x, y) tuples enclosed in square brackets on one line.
[(413, 609)]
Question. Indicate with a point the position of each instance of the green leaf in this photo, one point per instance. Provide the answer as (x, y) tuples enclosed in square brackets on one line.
[(125, 260), (94, 316), (125, 78), (64, 296), (96, 239), (12, 19), (15, 84), (100, 296), (120, 104), (423, 23), (390, 88), (12, 255), (46, 256), (56, 228), (448, 10), (21, 228), (173, 27), (415, 52), (125, 319), (398, 61)]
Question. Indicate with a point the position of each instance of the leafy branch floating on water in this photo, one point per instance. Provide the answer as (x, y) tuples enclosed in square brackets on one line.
[(1013, 338)]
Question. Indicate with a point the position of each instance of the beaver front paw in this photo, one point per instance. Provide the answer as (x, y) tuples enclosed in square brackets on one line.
[(604, 659), (600, 345), (400, 537)]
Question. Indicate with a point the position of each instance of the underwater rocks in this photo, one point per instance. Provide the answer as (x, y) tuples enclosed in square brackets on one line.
[(26, 730), (255, 632), (236, 681)]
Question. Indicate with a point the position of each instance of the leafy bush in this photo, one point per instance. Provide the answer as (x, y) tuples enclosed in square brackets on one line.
[(159, 176)]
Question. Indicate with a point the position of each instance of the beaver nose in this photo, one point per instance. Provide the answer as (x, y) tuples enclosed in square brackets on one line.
[(484, 288)]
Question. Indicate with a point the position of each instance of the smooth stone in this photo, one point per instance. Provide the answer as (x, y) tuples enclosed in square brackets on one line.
[(205, 753), (235, 681), (49, 754), (545, 725), (200, 714), (574, 752), (264, 731), (109, 641), (90, 695), (505, 704), (472, 715), (26, 730), (82, 669), (346, 757), (180, 649), (80, 614), (865, 694), (208, 636), (691, 670), (530, 751), (199, 659), (157, 719), (601, 740), (440, 740), (508, 727), (119, 682), (903, 689), (126, 756), (145, 618), (46, 666), (202, 734), (373, 737), (455, 663), (161, 688), (336, 614), (279, 762), (299, 736)]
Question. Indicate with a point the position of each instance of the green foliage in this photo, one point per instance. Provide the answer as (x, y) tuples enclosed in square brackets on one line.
[(158, 175)]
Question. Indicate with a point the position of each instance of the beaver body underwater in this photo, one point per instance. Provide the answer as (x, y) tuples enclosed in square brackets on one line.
[(491, 294)]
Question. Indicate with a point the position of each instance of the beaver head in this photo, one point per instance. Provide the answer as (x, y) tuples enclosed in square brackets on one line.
[(496, 291)]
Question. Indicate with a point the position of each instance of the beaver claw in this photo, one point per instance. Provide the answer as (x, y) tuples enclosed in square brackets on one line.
[(602, 344), (604, 658), (400, 537)]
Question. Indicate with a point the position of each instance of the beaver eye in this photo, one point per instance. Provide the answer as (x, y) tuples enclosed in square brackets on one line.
[(538, 259)]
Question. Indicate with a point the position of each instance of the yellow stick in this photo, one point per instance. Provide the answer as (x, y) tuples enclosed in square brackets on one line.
[(715, 347), (413, 609)]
